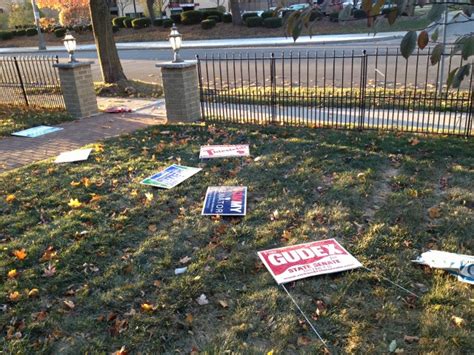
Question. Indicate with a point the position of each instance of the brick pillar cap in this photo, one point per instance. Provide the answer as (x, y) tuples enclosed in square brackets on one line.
[(180, 65), (72, 65)]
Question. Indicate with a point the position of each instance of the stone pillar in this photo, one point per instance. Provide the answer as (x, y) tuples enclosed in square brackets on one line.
[(181, 87), (78, 88)]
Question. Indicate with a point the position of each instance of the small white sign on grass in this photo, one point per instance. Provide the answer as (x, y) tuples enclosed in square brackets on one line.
[(73, 156)]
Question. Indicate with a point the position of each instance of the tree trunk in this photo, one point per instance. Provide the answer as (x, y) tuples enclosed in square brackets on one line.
[(151, 10), (109, 60), (235, 9)]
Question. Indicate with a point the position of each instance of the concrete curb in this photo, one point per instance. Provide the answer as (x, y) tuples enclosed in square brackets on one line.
[(227, 43)]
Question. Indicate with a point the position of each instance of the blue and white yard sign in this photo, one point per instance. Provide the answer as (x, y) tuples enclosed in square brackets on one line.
[(36, 131), (171, 176), (225, 201)]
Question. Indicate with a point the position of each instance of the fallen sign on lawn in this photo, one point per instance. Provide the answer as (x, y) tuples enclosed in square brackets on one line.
[(73, 156), (225, 201), (459, 265), (224, 151), (36, 131), (300, 261), (296, 262), (171, 176)]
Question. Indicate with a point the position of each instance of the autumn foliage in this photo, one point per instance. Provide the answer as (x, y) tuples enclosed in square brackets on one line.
[(71, 12)]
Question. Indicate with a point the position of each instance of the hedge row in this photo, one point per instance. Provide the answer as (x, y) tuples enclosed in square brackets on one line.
[(269, 22), (5, 35)]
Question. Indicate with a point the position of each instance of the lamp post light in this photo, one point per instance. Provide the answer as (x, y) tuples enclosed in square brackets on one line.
[(175, 39), (70, 44)]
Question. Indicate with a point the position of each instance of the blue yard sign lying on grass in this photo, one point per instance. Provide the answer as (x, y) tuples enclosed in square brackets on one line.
[(171, 176), (36, 131), (225, 201)]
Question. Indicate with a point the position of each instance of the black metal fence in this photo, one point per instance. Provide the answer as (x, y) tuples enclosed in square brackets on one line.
[(30, 81), (341, 89)]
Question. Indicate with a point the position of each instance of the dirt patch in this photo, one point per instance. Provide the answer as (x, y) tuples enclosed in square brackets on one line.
[(382, 190)]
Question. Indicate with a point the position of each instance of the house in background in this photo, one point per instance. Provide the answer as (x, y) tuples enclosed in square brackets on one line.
[(5, 6)]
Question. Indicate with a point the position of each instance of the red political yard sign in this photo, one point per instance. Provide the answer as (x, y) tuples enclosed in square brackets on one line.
[(224, 151), (310, 259)]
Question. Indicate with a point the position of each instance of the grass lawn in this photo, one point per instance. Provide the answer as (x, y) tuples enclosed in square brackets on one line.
[(13, 119), (99, 276)]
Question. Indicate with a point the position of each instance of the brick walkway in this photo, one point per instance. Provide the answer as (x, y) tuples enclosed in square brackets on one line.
[(18, 151)]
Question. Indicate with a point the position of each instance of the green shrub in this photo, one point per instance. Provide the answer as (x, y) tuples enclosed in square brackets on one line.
[(249, 15), (141, 22), (387, 10), (334, 17), (115, 29), (176, 18), (167, 23), (227, 18), (30, 32), (273, 22), (60, 32), (267, 14), (315, 15), (118, 21), (158, 22), (5, 35), (254, 21), (192, 17), (19, 33), (215, 18), (207, 13), (127, 23), (359, 14), (208, 24)]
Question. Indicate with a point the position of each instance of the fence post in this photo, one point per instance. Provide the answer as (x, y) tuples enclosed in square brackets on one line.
[(363, 87), (273, 87), (201, 90), (22, 84)]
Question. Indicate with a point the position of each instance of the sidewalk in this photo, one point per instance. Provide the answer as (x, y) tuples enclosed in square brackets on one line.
[(18, 151), (228, 43)]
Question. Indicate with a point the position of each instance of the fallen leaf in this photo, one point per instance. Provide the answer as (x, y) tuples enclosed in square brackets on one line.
[(39, 316), (12, 274), (95, 198), (458, 321), (157, 283), (271, 352), (75, 183), (146, 307), (10, 198), (149, 196), (302, 341), (413, 141), (49, 254), (14, 296), (121, 351), (49, 271), (20, 254), (34, 292), (189, 318), (275, 215), (223, 303), (86, 181), (152, 228), (185, 260), (411, 339), (202, 300), (434, 212), (69, 304), (74, 203)]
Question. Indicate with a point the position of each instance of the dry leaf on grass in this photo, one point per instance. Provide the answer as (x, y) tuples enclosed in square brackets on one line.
[(20, 254), (10, 198), (12, 274), (147, 307), (458, 321), (185, 260), (49, 254), (74, 203), (411, 339), (303, 341), (69, 304), (49, 271), (223, 303), (14, 296), (434, 212), (152, 228), (33, 293)]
